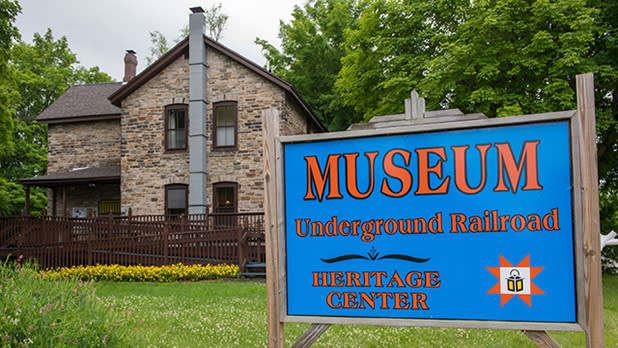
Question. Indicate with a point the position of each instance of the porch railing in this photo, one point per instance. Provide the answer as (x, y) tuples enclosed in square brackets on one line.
[(53, 241)]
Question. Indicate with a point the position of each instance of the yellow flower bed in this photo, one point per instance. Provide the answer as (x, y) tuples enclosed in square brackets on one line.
[(177, 272)]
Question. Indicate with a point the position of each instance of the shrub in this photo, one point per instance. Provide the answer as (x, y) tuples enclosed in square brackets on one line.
[(39, 312), (177, 272)]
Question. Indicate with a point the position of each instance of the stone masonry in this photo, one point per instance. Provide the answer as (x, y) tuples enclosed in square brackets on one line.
[(147, 169), (83, 144)]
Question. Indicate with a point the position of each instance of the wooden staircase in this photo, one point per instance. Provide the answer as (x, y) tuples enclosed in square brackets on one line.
[(254, 270)]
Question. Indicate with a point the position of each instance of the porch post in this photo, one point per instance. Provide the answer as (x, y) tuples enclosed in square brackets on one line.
[(27, 201), (54, 205), (64, 201)]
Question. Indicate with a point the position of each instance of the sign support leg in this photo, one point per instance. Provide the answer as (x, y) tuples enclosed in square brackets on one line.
[(311, 335), (542, 339)]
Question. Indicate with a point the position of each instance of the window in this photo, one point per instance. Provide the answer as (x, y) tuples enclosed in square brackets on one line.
[(176, 122), (109, 206), (225, 197), (175, 199), (225, 127)]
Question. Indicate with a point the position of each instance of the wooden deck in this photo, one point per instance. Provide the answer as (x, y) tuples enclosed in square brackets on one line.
[(236, 238)]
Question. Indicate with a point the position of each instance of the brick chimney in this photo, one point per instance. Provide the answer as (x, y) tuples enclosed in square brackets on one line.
[(130, 65)]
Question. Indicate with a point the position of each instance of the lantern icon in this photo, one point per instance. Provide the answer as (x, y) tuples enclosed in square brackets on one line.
[(514, 282)]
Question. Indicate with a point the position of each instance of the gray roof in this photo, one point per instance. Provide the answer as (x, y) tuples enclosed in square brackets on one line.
[(82, 175), (82, 103)]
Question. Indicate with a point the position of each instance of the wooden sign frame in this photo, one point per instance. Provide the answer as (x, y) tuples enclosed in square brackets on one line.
[(585, 227)]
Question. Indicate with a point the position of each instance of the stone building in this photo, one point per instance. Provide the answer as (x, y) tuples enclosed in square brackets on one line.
[(183, 136)]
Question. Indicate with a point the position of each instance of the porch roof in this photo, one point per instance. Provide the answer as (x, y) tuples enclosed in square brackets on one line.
[(77, 176)]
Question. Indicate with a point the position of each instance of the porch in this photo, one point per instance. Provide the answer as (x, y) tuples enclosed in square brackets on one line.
[(55, 241)]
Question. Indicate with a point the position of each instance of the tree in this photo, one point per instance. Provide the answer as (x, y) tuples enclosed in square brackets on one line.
[(311, 56), (159, 46), (40, 73), (215, 24), (604, 52), (8, 32), (511, 57), (215, 21), (387, 55), (43, 70), (501, 57)]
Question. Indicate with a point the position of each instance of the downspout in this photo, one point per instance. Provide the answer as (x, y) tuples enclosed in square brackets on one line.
[(197, 113)]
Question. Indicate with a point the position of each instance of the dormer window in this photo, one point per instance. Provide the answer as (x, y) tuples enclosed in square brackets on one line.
[(176, 125), (225, 125)]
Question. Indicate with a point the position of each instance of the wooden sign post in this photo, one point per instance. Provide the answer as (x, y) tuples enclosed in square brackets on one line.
[(489, 223), (590, 210)]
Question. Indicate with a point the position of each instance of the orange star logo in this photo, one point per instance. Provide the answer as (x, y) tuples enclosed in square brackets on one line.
[(515, 280)]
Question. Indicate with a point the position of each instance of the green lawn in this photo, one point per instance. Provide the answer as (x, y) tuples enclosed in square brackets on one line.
[(233, 314)]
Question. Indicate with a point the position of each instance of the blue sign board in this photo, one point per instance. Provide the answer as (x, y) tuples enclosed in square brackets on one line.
[(467, 224)]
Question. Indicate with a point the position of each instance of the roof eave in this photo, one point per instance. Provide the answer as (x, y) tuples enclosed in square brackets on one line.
[(135, 83), (148, 73), (268, 76), (58, 182), (79, 119)]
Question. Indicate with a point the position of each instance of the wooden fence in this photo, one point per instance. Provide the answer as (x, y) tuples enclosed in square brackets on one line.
[(235, 238)]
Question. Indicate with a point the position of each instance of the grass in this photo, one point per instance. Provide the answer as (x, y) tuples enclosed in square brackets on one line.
[(36, 312), (233, 314)]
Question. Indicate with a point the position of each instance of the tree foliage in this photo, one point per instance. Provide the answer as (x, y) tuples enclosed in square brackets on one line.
[(8, 32), (512, 57), (43, 70), (387, 54), (311, 56), (40, 73), (215, 21), (215, 24), (158, 48)]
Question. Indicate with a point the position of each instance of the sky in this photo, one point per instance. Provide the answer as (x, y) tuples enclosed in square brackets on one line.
[(99, 32)]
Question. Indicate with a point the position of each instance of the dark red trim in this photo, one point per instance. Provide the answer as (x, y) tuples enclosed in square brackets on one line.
[(167, 108), (117, 97), (224, 184), (175, 187), (216, 147), (80, 119)]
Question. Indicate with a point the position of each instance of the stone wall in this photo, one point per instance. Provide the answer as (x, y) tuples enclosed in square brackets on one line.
[(146, 168), (83, 144), (228, 80)]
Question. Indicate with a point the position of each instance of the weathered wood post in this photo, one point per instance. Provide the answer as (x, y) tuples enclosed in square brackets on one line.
[(129, 220), (90, 246), (43, 225), (164, 242), (241, 250), (270, 133), (27, 200), (590, 205)]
